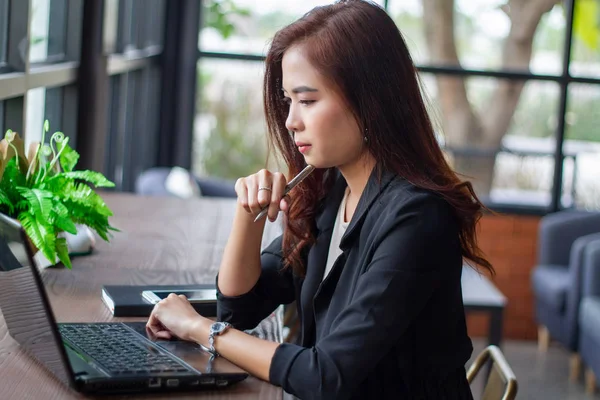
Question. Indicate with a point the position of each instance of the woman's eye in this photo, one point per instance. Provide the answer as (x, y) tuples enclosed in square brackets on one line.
[(307, 102)]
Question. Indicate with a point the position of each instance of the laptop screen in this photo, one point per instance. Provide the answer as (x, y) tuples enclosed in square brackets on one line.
[(23, 302)]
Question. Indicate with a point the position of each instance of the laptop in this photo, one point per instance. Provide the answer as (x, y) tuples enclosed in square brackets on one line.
[(96, 358)]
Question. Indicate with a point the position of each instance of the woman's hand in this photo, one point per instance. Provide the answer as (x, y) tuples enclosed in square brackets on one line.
[(262, 189), (174, 317)]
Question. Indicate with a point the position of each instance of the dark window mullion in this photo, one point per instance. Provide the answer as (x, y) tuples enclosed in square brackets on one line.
[(138, 138), (557, 183), (153, 111), (110, 157), (119, 135), (130, 124)]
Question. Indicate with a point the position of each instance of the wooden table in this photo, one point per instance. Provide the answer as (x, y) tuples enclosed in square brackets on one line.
[(162, 241)]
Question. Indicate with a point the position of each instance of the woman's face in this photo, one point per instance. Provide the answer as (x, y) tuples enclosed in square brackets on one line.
[(325, 130)]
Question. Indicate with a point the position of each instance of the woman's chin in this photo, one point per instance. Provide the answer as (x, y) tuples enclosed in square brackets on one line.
[(319, 164)]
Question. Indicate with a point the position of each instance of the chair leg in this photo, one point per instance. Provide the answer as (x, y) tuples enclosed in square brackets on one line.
[(590, 381), (543, 338), (574, 367)]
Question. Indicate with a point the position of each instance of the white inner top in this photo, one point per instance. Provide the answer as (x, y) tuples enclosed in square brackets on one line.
[(339, 228)]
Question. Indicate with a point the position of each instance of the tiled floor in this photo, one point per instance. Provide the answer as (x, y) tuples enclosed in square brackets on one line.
[(540, 376)]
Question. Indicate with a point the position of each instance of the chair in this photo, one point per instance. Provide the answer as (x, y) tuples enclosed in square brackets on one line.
[(589, 315), (152, 182), (556, 280), (501, 382)]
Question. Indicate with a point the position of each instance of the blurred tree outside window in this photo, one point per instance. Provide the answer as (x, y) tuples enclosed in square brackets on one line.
[(499, 133), (483, 132)]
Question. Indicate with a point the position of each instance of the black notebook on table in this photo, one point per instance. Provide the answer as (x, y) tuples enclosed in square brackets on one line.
[(127, 300)]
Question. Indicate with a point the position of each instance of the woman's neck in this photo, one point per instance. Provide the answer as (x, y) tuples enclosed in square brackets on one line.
[(356, 176)]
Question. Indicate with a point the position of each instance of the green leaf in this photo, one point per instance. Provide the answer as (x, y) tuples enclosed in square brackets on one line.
[(61, 219), (41, 234), (68, 157), (84, 195), (62, 250), (4, 200), (586, 22), (40, 201), (22, 205), (95, 178), (12, 178)]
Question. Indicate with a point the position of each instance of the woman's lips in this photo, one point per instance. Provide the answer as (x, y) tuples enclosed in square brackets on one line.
[(303, 148)]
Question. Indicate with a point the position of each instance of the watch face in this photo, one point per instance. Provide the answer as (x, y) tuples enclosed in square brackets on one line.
[(218, 327)]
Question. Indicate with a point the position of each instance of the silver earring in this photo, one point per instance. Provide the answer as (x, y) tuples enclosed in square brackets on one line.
[(366, 139)]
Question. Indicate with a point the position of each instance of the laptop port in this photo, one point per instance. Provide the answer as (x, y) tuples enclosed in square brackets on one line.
[(172, 382), (222, 383), (207, 381), (154, 383)]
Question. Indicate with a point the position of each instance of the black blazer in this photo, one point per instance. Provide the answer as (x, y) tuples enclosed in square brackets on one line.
[(388, 321)]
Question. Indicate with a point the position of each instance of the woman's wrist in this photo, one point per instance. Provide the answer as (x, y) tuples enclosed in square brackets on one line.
[(199, 330)]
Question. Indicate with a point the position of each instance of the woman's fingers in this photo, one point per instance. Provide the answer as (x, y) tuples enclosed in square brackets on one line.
[(241, 190), (260, 190), (155, 328), (279, 183), (264, 190), (284, 204)]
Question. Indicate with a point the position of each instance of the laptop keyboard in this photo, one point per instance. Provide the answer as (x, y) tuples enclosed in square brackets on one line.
[(118, 350)]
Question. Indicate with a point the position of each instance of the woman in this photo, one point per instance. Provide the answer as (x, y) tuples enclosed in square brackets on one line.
[(375, 237)]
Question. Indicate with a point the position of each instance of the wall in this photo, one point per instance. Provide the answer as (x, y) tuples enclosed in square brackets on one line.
[(510, 244)]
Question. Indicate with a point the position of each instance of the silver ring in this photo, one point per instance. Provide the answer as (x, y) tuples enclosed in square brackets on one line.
[(264, 188)]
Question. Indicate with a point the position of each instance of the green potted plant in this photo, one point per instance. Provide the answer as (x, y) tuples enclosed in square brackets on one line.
[(43, 192)]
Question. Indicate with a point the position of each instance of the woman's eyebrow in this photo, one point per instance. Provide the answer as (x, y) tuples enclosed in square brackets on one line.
[(301, 89)]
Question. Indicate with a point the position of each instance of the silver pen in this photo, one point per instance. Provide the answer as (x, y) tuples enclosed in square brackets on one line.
[(292, 184)]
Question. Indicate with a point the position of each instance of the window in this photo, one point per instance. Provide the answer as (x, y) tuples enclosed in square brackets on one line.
[(516, 167), (515, 171), (48, 31), (45, 87), (132, 37), (585, 56), (230, 130), (248, 25), (581, 186), (480, 30)]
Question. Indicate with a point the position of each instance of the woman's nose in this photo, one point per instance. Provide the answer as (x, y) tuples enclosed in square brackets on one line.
[(293, 121)]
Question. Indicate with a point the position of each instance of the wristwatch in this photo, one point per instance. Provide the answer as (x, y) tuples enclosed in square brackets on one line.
[(216, 329)]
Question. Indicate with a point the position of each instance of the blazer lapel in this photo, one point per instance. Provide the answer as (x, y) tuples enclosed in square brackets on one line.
[(317, 258), (372, 190), (375, 185)]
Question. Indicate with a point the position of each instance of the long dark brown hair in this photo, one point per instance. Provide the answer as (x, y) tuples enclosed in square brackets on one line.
[(357, 46)]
